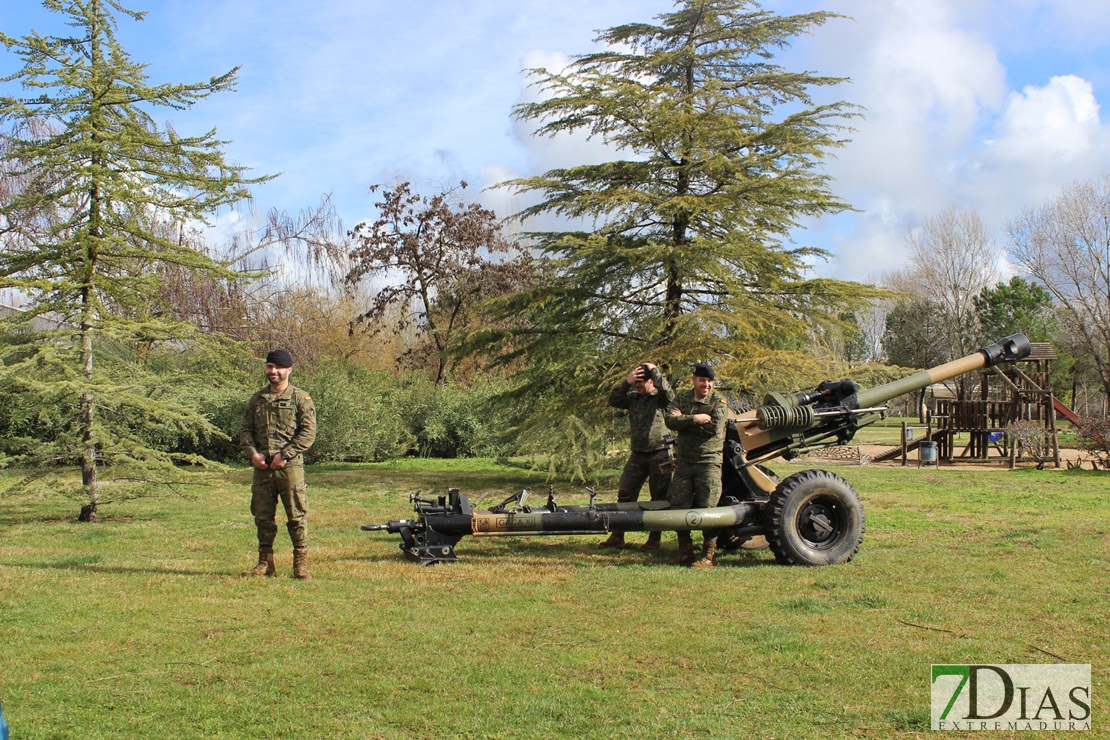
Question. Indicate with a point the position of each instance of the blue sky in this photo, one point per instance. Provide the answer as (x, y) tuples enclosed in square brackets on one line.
[(990, 105)]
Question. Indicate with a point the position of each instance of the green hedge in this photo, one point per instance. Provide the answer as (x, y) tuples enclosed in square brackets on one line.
[(366, 416), (363, 415), (357, 413)]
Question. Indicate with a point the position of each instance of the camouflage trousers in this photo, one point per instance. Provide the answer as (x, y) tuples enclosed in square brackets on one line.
[(643, 466), (286, 485), (697, 486)]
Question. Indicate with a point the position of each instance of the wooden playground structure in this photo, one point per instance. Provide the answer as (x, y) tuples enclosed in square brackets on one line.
[(1013, 418)]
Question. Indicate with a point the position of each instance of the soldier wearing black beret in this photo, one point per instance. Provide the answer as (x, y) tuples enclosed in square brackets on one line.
[(279, 425)]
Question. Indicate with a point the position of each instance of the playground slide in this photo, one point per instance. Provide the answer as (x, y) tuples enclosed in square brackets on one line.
[(893, 452), (1064, 411), (1070, 415)]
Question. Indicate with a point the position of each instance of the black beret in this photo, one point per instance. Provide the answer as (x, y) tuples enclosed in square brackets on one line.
[(701, 370), (279, 357)]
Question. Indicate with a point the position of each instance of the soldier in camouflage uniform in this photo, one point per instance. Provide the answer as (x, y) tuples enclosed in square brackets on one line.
[(647, 396), (699, 418), (279, 425)]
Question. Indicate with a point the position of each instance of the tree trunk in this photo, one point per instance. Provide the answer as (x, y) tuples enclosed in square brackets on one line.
[(89, 482), (672, 306), (88, 450)]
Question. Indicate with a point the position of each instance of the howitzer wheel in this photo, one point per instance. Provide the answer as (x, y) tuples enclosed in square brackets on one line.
[(815, 518)]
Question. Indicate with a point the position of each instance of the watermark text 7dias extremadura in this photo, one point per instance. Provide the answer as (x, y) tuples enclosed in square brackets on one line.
[(1011, 697)]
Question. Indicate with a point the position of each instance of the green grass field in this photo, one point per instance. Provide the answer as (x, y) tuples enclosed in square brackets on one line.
[(139, 626)]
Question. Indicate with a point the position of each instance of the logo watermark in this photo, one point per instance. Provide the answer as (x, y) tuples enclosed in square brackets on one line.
[(1011, 697)]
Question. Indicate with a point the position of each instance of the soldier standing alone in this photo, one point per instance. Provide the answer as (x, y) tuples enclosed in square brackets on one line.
[(699, 419), (647, 396), (279, 425)]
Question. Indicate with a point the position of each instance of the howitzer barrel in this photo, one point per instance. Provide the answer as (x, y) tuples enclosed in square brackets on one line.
[(833, 413), (580, 520), (1010, 349)]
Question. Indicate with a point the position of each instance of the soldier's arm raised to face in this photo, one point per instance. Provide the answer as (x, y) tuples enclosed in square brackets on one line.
[(619, 397), (665, 395)]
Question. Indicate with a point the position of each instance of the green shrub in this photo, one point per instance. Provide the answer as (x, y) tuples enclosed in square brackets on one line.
[(456, 420), (358, 413)]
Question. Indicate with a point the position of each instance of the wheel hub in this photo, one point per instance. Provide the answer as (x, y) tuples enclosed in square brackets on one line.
[(818, 523)]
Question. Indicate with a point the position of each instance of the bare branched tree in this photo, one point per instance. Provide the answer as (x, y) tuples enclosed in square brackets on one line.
[(872, 325), (952, 259), (313, 242), (1065, 246)]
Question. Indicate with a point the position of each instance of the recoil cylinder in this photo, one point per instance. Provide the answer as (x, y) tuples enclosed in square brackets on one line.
[(785, 417)]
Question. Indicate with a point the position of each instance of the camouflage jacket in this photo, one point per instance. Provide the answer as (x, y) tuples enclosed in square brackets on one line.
[(645, 412), (699, 443), (279, 423)]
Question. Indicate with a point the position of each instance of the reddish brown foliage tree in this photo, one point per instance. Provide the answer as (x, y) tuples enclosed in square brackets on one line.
[(432, 260)]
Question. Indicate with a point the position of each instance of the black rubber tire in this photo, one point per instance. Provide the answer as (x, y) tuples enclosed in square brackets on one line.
[(815, 518)]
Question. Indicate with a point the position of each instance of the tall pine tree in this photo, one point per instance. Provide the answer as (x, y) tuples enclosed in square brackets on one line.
[(98, 196), (687, 256)]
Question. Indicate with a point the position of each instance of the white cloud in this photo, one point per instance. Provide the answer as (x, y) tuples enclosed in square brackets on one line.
[(943, 128), (1057, 121), (1048, 136), (925, 84)]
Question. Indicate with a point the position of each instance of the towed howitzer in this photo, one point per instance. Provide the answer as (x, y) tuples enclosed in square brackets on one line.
[(812, 517)]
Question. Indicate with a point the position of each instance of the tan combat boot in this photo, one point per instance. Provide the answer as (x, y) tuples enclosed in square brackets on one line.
[(265, 565), (300, 563), (616, 539), (707, 554), (686, 554), (652, 544)]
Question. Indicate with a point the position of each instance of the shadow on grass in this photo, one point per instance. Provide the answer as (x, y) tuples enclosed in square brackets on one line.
[(14, 514), (86, 567), (539, 551)]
